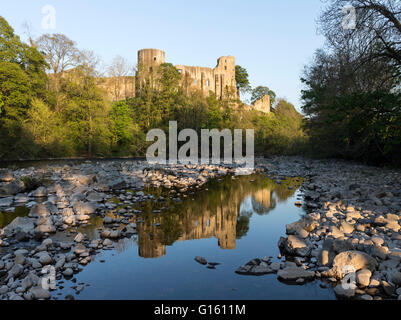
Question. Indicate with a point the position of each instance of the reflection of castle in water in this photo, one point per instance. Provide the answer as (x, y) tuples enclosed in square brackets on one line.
[(205, 218)]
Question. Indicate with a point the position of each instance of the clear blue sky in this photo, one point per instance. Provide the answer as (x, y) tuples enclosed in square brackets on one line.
[(273, 40)]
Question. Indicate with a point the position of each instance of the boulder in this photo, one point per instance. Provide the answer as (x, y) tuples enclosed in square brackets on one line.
[(294, 273), (295, 246), (12, 188), (79, 249), (351, 259), (39, 192), (201, 260), (379, 252), (346, 227), (255, 267), (363, 277), (84, 208), (95, 196), (6, 202), (395, 277), (45, 228), (297, 227), (40, 293), (344, 292), (44, 258), (39, 210), (24, 224), (6, 175)]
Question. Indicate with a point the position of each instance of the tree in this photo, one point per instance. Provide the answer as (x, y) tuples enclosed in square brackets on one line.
[(84, 111), (60, 51), (119, 69), (376, 33), (260, 91), (122, 126), (352, 95), (241, 78), (22, 78)]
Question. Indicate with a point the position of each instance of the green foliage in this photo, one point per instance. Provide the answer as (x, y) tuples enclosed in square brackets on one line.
[(364, 126), (241, 78), (67, 114), (126, 136), (22, 78)]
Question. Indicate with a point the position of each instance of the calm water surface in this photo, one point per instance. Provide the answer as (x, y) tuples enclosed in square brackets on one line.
[(229, 222)]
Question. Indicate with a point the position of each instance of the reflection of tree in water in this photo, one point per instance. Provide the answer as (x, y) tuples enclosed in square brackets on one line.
[(218, 212), (7, 217), (242, 227)]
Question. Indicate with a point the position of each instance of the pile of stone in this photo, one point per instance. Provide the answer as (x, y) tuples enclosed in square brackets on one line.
[(69, 196), (351, 230)]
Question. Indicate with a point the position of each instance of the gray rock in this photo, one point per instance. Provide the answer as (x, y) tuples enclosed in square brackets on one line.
[(19, 258), (6, 175), (40, 293), (275, 266), (295, 246), (45, 259), (79, 237), (84, 208), (395, 277), (45, 228), (107, 242), (356, 259), (388, 288), (6, 202), (68, 272), (16, 270), (344, 292), (39, 210), (3, 289), (79, 249), (11, 188), (24, 224), (363, 277), (108, 220), (39, 192), (201, 260), (27, 282), (95, 196), (379, 252), (294, 273)]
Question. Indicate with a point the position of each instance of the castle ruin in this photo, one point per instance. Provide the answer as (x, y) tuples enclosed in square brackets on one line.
[(220, 80)]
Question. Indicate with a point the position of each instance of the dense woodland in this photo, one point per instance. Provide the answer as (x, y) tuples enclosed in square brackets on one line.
[(352, 95), (51, 106)]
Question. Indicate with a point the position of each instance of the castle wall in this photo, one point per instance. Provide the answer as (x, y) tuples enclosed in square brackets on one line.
[(118, 88), (262, 104), (220, 80)]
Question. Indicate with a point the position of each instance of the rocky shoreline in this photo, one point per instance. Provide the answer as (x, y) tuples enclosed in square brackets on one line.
[(66, 197), (350, 236), (353, 219)]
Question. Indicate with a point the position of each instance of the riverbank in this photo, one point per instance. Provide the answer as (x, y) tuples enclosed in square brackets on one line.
[(353, 218), (351, 233)]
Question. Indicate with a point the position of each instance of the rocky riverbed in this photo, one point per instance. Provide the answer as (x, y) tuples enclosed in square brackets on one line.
[(350, 236), (353, 216)]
